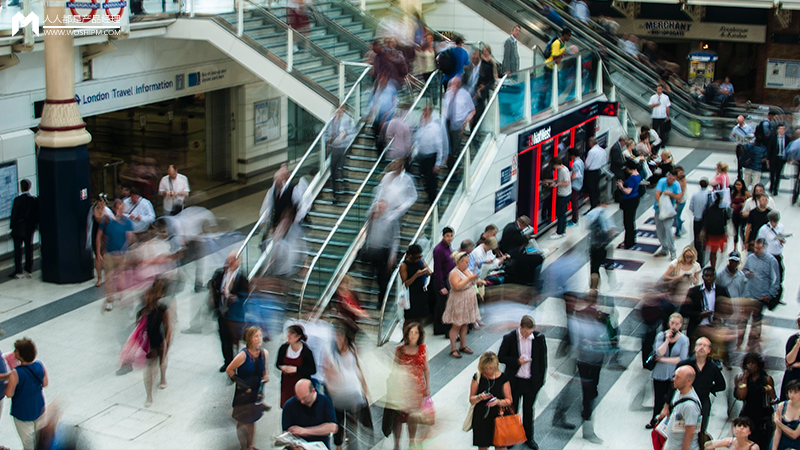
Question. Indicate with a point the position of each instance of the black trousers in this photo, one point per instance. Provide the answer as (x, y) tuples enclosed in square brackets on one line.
[(429, 178), (440, 328), (661, 129), (590, 378), (27, 241), (775, 171), (378, 260), (592, 187), (629, 207), (697, 227), (225, 339), (596, 257), (561, 213), (337, 168), (661, 388), (521, 387)]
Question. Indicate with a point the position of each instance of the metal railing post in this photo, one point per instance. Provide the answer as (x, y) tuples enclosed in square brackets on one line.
[(27, 34), (322, 154), (527, 99), (289, 49), (625, 123), (240, 19), (467, 160), (341, 82), (358, 100), (554, 90), (599, 81), (496, 118), (192, 5), (435, 223), (363, 5), (579, 79), (612, 96)]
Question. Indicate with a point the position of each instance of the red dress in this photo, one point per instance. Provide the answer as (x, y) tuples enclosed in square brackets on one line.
[(288, 380), (415, 365)]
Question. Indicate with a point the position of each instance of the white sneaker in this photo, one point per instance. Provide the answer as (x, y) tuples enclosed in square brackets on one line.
[(28, 275), (19, 276), (556, 236)]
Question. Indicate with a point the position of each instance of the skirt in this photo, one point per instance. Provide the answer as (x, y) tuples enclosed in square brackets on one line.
[(716, 244)]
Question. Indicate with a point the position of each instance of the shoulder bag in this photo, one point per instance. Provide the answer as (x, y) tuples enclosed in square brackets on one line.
[(508, 429), (468, 421)]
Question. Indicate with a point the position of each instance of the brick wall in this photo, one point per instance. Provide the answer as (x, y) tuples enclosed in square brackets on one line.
[(779, 97)]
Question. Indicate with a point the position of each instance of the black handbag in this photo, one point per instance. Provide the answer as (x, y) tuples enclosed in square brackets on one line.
[(650, 362)]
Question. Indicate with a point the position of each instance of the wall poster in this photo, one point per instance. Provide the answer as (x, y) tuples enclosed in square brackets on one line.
[(267, 121)]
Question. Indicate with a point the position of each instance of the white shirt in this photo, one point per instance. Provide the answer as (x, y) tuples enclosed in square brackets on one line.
[(743, 134), (460, 110), (660, 111), (432, 139), (709, 300), (525, 349), (179, 187), (750, 204), (399, 193), (579, 10), (478, 257), (774, 246), (596, 158), (144, 209)]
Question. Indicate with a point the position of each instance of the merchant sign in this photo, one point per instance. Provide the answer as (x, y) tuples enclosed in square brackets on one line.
[(680, 29)]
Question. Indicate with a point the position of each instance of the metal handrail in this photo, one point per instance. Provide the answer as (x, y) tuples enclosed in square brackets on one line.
[(435, 202), (263, 217), (352, 202)]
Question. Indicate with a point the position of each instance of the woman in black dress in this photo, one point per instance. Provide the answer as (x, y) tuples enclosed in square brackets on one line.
[(792, 363), (490, 392), (413, 272), (158, 333), (757, 390)]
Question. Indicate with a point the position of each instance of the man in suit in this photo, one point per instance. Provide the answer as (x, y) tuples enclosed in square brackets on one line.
[(511, 52), (704, 303), (524, 353), (777, 144), (24, 221), (225, 287), (617, 159)]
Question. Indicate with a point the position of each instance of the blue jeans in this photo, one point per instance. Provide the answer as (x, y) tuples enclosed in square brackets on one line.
[(678, 222)]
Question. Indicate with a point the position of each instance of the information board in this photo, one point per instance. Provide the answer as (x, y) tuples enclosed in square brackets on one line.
[(783, 74), (504, 197), (8, 188)]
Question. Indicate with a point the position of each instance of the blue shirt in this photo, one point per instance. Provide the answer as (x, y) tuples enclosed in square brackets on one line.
[(116, 232), (320, 412), (633, 183), (577, 168), (758, 152), (27, 404), (461, 59), (675, 188)]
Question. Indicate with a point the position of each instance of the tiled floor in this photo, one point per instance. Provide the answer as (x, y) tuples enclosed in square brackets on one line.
[(79, 346)]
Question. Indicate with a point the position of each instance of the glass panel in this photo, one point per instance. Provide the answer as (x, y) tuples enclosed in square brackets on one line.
[(567, 71), (511, 99), (589, 72), (541, 89)]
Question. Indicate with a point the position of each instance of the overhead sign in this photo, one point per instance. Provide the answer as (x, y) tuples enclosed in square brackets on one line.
[(680, 29), (783, 74), (557, 126)]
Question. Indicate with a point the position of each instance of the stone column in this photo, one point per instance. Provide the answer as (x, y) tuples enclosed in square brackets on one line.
[(63, 163)]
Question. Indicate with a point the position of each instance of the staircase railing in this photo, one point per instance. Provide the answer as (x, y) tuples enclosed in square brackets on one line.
[(487, 128), (315, 159), (363, 201)]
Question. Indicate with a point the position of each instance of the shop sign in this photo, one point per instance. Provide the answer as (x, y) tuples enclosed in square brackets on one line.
[(680, 29)]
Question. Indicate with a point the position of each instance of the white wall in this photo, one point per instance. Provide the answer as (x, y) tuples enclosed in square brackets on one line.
[(18, 146), (247, 96), (452, 15)]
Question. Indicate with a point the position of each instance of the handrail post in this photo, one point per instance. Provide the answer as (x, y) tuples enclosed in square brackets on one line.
[(612, 96), (289, 49), (240, 19), (467, 160), (322, 153), (554, 89), (27, 34), (363, 5), (527, 99), (599, 81), (496, 118), (341, 82), (579, 78), (625, 123), (434, 223), (358, 101)]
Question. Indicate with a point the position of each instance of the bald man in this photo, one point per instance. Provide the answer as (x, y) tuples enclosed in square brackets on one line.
[(309, 414), (683, 411), (709, 379)]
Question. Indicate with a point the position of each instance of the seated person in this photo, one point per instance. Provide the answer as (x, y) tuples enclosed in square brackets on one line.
[(522, 266), (309, 414), (139, 210), (482, 257)]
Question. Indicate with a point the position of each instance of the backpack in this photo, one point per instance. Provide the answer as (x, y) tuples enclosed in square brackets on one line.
[(548, 49), (760, 132), (447, 62), (747, 157)]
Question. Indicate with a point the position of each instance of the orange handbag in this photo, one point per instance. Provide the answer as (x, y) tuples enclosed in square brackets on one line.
[(508, 429)]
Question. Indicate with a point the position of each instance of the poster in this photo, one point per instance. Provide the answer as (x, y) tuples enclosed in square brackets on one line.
[(8, 188), (267, 120), (783, 74)]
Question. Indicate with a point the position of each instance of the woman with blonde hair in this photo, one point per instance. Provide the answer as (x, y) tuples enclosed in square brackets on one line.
[(462, 304), (489, 391), (685, 265), (721, 179)]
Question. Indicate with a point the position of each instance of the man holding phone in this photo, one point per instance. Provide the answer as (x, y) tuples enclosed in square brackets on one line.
[(763, 281), (524, 353)]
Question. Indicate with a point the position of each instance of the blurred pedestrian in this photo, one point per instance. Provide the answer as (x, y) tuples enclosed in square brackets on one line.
[(602, 230), (338, 136), (283, 196), (114, 238), (396, 190), (763, 283), (458, 111), (757, 390), (225, 289), (140, 211), (698, 205), (524, 353), (774, 234), (347, 387), (248, 370), (23, 223), (99, 214), (716, 226), (462, 306), (413, 274), (489, 391), (432, 147), (25, 389), (412, 355), (159, 330), (295, 361), (380, 248), (398, 132), (576, 179), (174, 187)]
